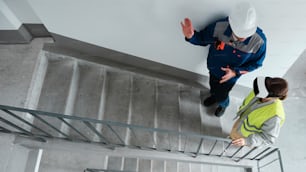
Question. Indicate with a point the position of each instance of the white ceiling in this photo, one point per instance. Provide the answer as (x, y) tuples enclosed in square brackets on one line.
[(151, 29)]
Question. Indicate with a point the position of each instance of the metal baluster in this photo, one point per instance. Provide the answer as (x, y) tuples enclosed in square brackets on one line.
[(269, 153), (185, 143), (5, 129), (47, 123), (270, 162), (15, 126), (137, 140), (111, 128), (199, 147), (21, 119), (280, 160), (261, 153), (96, 132), (236, 151), (169, 141), (230, 143), (72, 127), (245, 155), (213, 147)]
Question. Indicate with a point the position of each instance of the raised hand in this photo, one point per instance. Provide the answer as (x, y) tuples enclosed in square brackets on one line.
[(187, 28)]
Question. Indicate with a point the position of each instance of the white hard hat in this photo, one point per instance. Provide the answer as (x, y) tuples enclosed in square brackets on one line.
[(242, 20)]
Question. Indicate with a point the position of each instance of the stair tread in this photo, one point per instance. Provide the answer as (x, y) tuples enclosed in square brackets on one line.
[(190, 119), (142, 109), (53, 99), (167, 115)]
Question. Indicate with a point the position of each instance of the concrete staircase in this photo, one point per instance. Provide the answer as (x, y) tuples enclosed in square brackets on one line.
[(70, 86)]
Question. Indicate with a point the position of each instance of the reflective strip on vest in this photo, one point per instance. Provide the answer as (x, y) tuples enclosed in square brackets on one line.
[(254, 121)]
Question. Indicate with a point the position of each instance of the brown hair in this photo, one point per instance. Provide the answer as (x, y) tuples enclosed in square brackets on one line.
[(277, 87)]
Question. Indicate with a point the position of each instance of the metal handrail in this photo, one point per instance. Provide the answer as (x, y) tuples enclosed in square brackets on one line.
[(104, 140), (103, 170)]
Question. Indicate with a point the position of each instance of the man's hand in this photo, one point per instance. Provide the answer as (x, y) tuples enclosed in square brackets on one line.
[(187, 28), (239, 142), (229, 73)]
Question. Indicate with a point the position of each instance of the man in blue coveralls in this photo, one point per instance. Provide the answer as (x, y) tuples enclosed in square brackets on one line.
[(237, 46)]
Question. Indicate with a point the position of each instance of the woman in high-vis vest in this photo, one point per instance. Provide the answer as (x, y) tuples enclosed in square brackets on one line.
[(261, 114)]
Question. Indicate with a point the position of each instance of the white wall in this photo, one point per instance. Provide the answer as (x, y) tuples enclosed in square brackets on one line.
[(151, 29), (8, 20), (23, 11)]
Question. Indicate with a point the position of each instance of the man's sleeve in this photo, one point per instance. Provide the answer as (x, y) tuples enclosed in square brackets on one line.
[(270, 131), (204, 37)]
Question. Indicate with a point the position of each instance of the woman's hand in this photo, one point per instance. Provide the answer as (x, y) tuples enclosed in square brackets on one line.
[(239, 142)]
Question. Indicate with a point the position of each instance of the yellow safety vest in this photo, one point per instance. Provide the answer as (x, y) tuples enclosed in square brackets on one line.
[(254, 121)]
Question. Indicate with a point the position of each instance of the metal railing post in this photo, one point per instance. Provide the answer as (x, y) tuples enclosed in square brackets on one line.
[(280, 160), (199, 148), (104, 140), (74, 129)]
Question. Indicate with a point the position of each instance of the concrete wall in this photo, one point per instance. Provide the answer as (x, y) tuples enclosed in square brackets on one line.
[(151, 29), (16, 70)]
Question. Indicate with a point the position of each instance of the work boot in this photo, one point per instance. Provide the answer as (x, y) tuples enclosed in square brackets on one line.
[(219, 111), (209, 101)]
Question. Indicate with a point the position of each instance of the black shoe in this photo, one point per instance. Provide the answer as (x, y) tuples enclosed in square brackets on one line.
[(209, 101), (219, 111)]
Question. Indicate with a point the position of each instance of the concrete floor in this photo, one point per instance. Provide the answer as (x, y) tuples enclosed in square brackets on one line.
[(14, 81), (292, 139)]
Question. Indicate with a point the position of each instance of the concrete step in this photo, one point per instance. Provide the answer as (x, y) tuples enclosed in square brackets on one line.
[(171, 166), (130, 164), (87, 92), (190, 118), (117, 103), (183, 167), (167, 115), (143, 110), (52, 98), (63, 160), (145, 165), (100, 92), (231, 169), (197, 167), (158, 166), (115, 163), (17, 67), (207, 168)]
